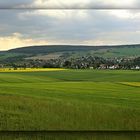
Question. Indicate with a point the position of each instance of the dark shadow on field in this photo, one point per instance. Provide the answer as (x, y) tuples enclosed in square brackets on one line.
[(66, 135)]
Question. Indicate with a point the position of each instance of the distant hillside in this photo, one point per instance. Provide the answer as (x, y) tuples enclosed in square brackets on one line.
[(65, 48), (53, 48), (67, 51)]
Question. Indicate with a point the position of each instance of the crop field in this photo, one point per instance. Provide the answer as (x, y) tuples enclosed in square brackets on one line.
[(62, 99)]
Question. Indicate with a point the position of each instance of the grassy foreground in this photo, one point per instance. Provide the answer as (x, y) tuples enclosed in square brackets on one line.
[(70, 100), (70, 136)]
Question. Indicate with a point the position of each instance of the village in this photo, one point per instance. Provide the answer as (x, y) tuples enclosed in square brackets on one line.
[(84, 62)]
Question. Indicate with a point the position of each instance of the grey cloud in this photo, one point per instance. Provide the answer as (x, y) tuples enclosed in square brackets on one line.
[(14, 3), (98, 25), (69, 4)]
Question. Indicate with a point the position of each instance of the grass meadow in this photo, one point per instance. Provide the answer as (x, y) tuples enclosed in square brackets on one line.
[(70, 136), (70, 100)]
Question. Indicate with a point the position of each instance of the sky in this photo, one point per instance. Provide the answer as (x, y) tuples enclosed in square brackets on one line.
[(85, 22)]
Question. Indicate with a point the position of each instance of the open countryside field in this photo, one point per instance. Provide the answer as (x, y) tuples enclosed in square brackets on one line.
[(70, 100), (70, 135)]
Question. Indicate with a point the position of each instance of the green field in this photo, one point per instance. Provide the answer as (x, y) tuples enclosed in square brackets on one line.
[(69, 135), (70, 100)]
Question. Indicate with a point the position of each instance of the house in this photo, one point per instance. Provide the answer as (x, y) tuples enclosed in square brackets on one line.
[(114, 67), (137, 68)]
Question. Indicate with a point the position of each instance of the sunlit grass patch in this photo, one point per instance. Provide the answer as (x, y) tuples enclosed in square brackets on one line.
[(136, 84)]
